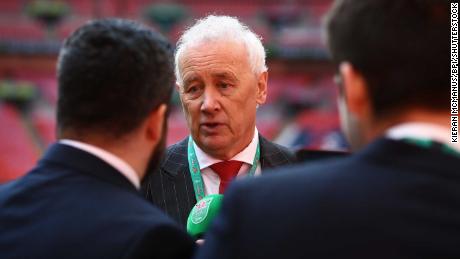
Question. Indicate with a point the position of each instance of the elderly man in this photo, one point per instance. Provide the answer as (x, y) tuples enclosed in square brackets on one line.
[(399, 195), (222, 78), (82, 200)]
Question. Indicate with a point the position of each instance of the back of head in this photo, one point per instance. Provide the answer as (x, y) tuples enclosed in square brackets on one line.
[(112, 73), (400, 47)]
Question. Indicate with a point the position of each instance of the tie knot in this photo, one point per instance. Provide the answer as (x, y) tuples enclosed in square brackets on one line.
[(227, 169)]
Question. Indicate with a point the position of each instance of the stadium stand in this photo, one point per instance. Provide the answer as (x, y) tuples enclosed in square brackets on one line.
[(17, 151), (301, 100)]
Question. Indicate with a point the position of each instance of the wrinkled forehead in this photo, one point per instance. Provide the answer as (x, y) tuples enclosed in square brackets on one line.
[(206, 54)]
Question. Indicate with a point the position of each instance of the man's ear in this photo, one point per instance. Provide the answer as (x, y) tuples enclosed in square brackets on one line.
[(155, 122), (261, 96), (355, 91)]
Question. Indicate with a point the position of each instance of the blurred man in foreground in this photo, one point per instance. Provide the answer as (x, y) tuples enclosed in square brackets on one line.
[(221, 78), (82, 200), (399, 195)]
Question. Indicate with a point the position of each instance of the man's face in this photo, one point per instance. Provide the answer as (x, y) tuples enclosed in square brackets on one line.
[(219, 96)]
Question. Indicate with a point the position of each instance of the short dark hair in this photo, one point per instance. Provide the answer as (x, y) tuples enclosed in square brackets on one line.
[(401, 47), (111, 74)]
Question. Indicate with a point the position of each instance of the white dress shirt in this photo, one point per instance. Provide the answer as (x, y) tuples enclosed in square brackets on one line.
[(211, 180), (121, 166), (424, 131)]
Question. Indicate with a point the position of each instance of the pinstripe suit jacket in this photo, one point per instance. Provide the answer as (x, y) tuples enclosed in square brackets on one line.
[(171, 188)]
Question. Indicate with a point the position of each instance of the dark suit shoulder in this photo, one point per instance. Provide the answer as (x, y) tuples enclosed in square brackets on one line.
[(346, 207), (177, 149), (383, 177), (170, 187), (272, 154), (173, 161), (162, 242), (296, 174), (154, 235), (102, 219)]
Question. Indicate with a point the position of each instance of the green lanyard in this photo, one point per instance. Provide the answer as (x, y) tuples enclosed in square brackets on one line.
[(195, 172), (427, 143)]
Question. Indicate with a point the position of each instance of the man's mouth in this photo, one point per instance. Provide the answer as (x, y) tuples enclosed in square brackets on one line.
[(210, 127)]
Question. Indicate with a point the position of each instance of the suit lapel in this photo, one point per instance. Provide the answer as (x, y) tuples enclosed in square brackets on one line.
[(177, 196), (86, 163), (176, 183), (176, 162), (270, 155), (175, 175)]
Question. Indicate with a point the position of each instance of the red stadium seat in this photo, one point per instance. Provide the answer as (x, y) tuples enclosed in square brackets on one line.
[(21, 29), (177, 128), (17, 153), (44, 122)]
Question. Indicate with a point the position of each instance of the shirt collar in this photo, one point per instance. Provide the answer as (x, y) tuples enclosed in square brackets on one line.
[(246, 155), (421, 130), (116, 162)]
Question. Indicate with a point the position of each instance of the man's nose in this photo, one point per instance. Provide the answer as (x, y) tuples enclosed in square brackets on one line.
[(211, 99)]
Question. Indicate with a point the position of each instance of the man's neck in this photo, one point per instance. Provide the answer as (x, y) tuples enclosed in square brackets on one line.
[(115, 161), (246, 155), (121, 148), (379, 128), (228, 154)]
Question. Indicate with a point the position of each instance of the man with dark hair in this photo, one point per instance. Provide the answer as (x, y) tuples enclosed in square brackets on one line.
[(81, 201), (398, 196)]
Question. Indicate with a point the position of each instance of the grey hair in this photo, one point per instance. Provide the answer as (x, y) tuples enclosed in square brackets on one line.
[(222, 28)]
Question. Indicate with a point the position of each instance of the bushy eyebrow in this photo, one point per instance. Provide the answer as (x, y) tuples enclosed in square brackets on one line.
[(225, 75), (218, 75), (191, 79)]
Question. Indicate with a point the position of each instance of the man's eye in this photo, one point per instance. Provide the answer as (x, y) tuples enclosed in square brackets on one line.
[(192, 89), (223, 85)]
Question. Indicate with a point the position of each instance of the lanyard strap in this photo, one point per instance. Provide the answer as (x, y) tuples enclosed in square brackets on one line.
[(427, 143), (195, 172)]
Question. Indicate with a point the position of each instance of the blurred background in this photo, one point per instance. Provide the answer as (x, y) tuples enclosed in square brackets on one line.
[(300, 113)]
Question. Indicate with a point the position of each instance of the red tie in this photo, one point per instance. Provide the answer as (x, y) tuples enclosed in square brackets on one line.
[(226, 170)]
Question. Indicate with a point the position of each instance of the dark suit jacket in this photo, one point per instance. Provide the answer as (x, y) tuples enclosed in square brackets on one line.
[(171, 188), (74, 205), (392, 200)]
